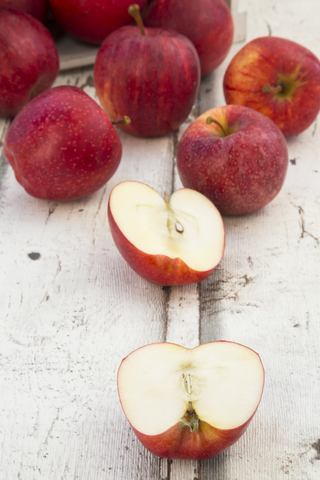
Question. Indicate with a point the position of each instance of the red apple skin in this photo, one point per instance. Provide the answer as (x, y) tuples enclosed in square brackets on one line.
[(276, 61), (207, 23), (153, 77), (29, 61), (62, 146), (37, 8), (92, 20), (178, 442), (157, 269), (241, 172)]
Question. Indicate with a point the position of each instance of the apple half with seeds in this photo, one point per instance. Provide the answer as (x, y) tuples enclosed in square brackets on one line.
[(190, 403), (168, 241)]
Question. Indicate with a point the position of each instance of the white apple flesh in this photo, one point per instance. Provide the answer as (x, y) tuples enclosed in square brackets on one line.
[(190, 403), (168, 241)]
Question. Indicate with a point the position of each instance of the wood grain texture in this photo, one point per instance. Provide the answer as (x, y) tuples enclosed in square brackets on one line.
[(71, 309)]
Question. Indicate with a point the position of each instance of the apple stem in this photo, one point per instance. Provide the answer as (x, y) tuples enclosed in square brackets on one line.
[(121, 121), (166, 198), (270, 89), (213, 120), (134, 11), (171, 217)]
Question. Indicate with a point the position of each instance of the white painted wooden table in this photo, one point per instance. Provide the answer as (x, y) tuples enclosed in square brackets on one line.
[(71, 309)]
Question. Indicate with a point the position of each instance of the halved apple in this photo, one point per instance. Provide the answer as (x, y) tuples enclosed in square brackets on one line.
[(190, 403), (168, 241)]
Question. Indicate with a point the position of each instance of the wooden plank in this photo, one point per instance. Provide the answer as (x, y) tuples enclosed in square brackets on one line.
[(73, 53), (264, 294), (68, 318), (67, 335), (183, 329)]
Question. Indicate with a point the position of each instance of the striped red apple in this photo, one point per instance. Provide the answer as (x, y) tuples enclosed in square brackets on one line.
[(235, 156), (151, 74), (29, 61), (92, 20), (278, 78), (207, 23), (62, 146)]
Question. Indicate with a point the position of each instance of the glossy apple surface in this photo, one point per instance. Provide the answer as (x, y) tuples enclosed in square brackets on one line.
[(207, 23), (62, 146), (190, 403), (36, 8), (168, 241), (154, 78), (92, 20), (29, 61), (240, 167), (278, 78)]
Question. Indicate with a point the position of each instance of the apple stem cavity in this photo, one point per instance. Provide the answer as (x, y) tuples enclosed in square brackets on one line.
[(270, 89), (172, 222), (134, 11), (190, 419), (121, 121), (213, 120)]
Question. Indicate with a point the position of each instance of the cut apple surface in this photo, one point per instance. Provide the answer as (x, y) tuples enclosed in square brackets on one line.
[(168, 241), (190, 403)]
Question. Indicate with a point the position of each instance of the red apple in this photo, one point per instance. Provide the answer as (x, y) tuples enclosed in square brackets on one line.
[(239, 162), (62, 146), (190, 403), (154, 76), (29, 61), (168, 241), (92, 20), (36, 8), (279, 78), (207, 23)]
